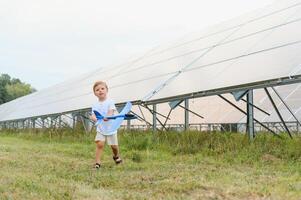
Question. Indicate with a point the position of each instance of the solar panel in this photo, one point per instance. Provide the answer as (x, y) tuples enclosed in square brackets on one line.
[(260, 46)]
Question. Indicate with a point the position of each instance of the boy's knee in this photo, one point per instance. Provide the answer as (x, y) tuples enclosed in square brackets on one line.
[(99, 145)]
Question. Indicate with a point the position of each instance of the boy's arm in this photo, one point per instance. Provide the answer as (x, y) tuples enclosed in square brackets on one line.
[(111, 110), (93, 117), (110, 113)]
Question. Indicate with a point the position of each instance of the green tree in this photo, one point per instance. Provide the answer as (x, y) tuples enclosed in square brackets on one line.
[(4, 80), (12, 88), (17, 90), (3, 95)]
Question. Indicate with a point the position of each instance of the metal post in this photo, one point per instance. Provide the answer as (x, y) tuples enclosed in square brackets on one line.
[(60, 121), (51, 121), (154, 117), (250, 115), (43, 122), (128, 125), (186, 115), (84, 121), (73, 120)]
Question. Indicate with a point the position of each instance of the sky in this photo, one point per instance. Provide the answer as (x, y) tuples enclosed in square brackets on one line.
[(45, 42)]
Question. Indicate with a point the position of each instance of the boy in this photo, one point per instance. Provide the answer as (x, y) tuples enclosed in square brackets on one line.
[(105, 107)]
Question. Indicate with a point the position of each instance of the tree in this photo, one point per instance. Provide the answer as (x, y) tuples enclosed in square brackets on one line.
[(4, 80), (17, 90), (3, 95), (12, 88)]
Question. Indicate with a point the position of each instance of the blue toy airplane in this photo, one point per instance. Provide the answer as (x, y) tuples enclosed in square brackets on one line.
[(115, 121)]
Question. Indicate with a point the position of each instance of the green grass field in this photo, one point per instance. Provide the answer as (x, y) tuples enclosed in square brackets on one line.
[(191, 165)]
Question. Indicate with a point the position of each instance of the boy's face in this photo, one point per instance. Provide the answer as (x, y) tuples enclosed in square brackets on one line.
[(101, 92)]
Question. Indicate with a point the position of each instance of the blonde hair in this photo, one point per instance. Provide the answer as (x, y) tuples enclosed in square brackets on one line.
[(97, 83)]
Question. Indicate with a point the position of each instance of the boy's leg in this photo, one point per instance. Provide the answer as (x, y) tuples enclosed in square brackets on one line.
[(115, 150), (116, 156), (99, 149), (113, 142)]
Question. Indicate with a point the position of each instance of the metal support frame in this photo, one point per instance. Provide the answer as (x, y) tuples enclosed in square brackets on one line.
[(60, 121), (34, 123), (154, 117), (250, 115), (164, 125), (85, 120), (285, 104), (188, 110), (154, 113), (37, 122), (256, 107), (152, 110), (148, 124), (73, 120), (43, 122), (186, 115), (51, 121), (238, 108), (277, 111), (143, 117), (257, 85), (128, 125)]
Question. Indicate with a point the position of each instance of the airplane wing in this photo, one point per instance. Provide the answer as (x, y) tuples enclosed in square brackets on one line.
[(110, 126)]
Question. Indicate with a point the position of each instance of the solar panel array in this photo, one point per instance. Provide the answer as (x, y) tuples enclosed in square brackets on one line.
[(259, 46)]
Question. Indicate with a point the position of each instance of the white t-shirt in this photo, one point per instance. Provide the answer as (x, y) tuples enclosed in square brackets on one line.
[(103, 107)]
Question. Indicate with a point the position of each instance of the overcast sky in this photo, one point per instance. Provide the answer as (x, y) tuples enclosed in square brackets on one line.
[(44, 42)]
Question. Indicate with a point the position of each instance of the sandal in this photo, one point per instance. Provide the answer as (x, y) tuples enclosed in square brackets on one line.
[(117, 159), (97, 165)]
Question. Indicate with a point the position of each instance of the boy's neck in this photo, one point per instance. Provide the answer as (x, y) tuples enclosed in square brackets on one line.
[(103, 99)]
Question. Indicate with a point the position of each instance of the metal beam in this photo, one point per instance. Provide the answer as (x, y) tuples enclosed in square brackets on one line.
[(145, 106), (257, 107), (256, 85), (167, 118), (285, 104), (277, 111), (200, 116), (142, 118)]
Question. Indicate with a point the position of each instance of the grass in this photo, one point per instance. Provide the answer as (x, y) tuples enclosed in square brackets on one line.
[(57, 165)]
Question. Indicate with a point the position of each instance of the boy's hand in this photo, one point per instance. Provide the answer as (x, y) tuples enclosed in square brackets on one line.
[(110, 113), (93, 118)]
